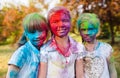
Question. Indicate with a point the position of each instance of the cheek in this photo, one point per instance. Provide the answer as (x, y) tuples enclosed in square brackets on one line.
[(53, 28), (82, 34), (30, 37), (43, 36), (93, 32), (68, 26)]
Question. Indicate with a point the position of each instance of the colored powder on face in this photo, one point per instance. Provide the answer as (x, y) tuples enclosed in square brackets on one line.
[(60, 24)]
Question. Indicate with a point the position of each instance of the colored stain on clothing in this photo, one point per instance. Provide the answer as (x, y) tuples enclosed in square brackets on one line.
[(27, 58), (60, 66)]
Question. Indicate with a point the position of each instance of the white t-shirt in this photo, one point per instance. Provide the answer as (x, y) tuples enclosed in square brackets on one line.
[(97, 66), (27, 58), (60, 66)]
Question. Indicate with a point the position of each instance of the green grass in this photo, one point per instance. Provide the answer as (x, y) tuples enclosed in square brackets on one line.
[(5, 53)]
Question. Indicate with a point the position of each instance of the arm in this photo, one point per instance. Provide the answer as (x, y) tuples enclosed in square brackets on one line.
[(12, 71), (111, 66), (79, 68), (42, 70)]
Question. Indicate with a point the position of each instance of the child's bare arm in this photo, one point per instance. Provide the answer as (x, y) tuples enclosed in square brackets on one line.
[(112, 69), (42, 70), (79, 69), (12, 71)]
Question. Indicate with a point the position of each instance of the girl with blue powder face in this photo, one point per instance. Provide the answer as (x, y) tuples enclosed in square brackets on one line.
[(25, 60), (97, 63)]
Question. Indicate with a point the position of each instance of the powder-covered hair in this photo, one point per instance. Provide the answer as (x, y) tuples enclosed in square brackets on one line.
[(31, 23), (90, 18), (57, 9)]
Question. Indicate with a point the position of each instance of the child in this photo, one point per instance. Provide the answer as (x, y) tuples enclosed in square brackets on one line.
[(24, 62), (59, 54), (97, 58)]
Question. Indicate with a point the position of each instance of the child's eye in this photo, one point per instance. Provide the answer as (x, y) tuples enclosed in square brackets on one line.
[(40, 30), (83, 29), (91, 29), (32, 31), (54, 21), (65, 20)]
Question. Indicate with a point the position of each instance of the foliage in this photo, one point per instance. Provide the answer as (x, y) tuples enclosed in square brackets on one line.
[(11, 28), (107, 10), (105, 31)]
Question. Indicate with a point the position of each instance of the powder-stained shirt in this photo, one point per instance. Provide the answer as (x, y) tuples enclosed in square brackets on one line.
[(96, 66), (27, 58), (60, 66)]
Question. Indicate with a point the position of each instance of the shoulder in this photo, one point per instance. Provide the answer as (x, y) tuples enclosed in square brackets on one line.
[(19, 56), (106, 48), (21, 50), (76, 46), (46, 45), (23, 47)]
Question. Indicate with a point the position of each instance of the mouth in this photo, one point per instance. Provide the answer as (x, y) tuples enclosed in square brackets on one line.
[(62, 29), (86, 38)]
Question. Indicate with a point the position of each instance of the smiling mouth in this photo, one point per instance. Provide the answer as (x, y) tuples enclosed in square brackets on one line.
[(62, 30)]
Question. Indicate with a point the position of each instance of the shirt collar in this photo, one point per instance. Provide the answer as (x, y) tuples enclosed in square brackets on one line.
[(32, 48), (73, 45)]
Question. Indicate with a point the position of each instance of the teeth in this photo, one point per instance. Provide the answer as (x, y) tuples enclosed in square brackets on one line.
[(61, 29)]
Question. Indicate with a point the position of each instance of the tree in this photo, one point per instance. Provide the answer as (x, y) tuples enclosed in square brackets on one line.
[(107, 10), (12, 22)]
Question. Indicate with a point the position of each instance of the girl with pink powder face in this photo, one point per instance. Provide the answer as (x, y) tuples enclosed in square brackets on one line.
[(61, 54), (97, 63)]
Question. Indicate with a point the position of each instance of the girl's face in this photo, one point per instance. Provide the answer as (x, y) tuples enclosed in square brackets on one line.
[(60, 24), (37, 38), (88, 32)]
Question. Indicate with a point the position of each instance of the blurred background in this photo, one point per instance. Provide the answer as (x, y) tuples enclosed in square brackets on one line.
[(12, 13)]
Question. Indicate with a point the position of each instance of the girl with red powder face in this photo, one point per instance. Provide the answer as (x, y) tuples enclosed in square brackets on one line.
[(60, 55)]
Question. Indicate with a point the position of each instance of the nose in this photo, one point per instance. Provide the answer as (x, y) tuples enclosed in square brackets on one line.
[(37, 34), (60, 23)]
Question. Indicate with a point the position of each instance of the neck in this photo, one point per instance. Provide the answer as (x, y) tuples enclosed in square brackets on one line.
[(37, 47), (90, 46), (61, 41), (63, 45)]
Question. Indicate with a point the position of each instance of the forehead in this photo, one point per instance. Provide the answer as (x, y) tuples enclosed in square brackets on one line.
[(59, 15), (87, 25)]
